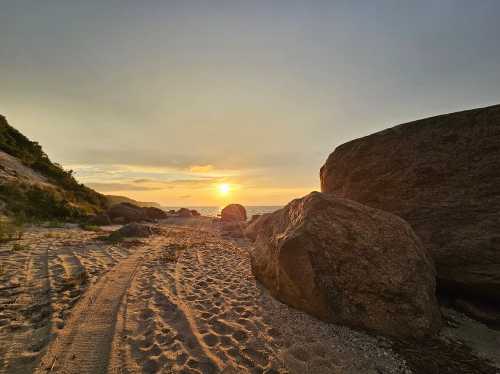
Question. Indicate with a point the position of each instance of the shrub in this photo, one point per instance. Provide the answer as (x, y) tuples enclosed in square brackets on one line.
[(90, 228), (19, 247), (11, 231)]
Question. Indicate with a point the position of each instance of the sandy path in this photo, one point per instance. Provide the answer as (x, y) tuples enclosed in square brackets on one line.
[(195, 307), (83, 346), (40, 283)]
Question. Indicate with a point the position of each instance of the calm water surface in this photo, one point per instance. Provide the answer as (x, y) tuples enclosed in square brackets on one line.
[(213, 211)]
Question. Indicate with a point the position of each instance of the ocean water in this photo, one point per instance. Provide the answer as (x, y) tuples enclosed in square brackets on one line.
[(213, 211)]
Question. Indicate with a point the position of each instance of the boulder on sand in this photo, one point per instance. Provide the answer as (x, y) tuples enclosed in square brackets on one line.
[(254, 217), (440, 174), (234, 212), (184, 213), (155, 213), (126, 213), (101, 219), (255, 225), (350, 264), (134, 230), (233, 229)]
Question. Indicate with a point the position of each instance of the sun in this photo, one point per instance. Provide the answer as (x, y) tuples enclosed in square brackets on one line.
[(223, 189)]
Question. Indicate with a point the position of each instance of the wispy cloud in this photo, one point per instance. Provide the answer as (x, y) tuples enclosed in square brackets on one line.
[(201, 168), (111, 187)]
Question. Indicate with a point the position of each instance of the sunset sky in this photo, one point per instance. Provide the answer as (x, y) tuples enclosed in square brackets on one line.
[(165, 100)]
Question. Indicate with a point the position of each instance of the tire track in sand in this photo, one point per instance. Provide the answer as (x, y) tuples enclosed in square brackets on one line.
[(84, 345)]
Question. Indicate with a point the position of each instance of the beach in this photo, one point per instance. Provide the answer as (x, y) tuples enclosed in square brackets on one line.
[(184, 300)]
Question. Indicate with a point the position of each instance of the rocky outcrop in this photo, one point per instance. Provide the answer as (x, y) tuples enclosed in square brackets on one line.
[(350, 264), (233, 229), (234, 212), (255, 225), (134, 230), (126, 213), (101, 219), (184, 213), (155, 213), (442, 175), (484, 312)]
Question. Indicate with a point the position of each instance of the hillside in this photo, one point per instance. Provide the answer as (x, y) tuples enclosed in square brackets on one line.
[(31, 185), (113, 199)]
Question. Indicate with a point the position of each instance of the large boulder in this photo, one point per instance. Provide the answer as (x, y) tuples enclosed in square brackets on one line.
[(195, 213), (442, 175), (184, 213), (350, 264), (101, 219), (134, 230), (155, 213), (255, 225), (233, 229), (126, 213), (234, 212)]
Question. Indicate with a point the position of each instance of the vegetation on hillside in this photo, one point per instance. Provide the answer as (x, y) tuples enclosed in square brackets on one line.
[(69, 200)]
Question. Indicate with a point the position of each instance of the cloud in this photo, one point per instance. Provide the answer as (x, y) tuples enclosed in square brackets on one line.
[(109, 187), (201, 168), (154, 185)]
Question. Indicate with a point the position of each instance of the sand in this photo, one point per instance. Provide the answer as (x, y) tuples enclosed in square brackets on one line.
[(184, 301)]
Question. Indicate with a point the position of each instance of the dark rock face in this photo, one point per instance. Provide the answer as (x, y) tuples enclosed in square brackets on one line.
[(486, 313), (184, 213), (255, 225), (101, 219), (234, 212), (233, 229), (442, 175), (126, 213), (350, 264), (155, 213)]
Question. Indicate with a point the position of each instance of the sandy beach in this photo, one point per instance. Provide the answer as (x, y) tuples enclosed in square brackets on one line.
[(181, 301)]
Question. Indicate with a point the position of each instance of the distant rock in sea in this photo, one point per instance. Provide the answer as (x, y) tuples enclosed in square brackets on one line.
[(442, 175)]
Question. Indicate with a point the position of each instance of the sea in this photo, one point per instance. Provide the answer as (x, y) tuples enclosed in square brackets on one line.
[(214, 211)]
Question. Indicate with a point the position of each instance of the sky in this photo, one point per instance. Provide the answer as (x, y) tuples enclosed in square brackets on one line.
[(166, 100)]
